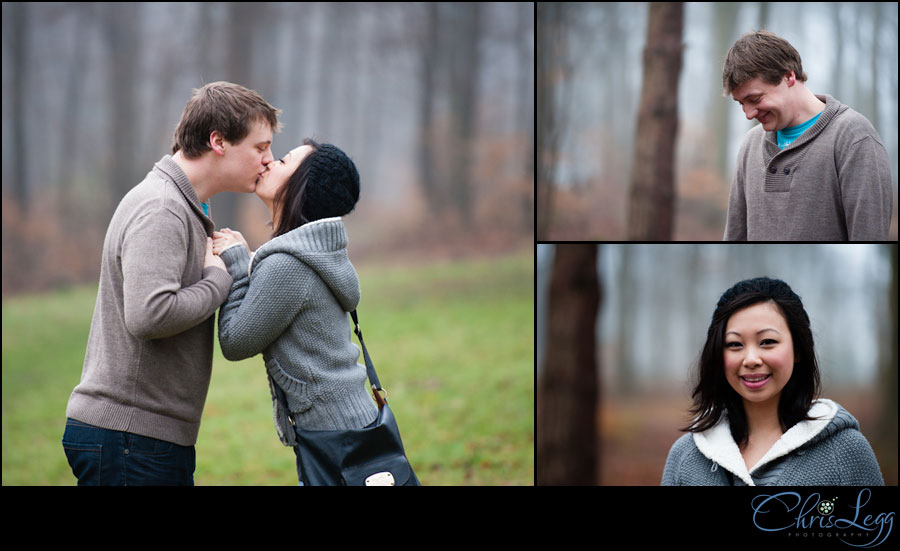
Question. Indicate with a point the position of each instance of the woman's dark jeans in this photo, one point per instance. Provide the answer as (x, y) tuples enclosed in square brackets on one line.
[(103, 457)]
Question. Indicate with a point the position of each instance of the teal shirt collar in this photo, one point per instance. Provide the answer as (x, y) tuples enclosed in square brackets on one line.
[(787, 136)]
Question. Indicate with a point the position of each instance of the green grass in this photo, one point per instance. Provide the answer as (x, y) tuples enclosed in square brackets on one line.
[(452, 343)]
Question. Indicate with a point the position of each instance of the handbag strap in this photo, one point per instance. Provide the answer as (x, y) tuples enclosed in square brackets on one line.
[(370, 368)]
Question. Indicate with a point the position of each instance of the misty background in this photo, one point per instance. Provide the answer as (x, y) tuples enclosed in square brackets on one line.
[(656, 303), (590, 69), (433, 101)]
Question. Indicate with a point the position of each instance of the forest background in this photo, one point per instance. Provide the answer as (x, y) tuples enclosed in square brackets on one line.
[(433, 101)]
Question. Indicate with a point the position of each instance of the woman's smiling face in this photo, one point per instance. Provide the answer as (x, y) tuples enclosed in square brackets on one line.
[(759, 352)]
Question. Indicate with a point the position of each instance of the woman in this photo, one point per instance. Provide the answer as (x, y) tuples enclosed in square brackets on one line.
[(289, 299), (757, 420)]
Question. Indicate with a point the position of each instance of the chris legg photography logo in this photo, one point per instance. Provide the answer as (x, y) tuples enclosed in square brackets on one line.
[(823, 516)]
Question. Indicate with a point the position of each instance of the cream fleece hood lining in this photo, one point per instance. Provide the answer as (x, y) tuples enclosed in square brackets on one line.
[(719, 446)]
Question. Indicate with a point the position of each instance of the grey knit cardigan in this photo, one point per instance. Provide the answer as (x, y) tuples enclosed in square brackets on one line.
[(291, 304), (828, 451)]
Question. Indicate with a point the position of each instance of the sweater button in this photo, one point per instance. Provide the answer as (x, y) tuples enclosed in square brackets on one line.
[(773, 170), (787, 170)]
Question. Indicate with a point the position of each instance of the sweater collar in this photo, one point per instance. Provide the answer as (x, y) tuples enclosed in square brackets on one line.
[(325, 235), (322, 247), (719, 446), (170, 171), (832, 108)]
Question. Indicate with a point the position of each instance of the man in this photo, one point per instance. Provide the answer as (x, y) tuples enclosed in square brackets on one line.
[(814, 169), (134, 417)]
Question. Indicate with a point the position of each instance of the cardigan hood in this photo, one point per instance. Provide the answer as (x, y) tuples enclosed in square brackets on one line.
[(827, 450), (322, 247), (719, 446)]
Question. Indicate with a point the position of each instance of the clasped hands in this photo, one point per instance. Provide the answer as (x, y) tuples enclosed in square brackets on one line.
[(225, 238)]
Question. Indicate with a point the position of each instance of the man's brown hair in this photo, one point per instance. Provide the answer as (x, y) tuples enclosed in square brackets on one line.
[(229, 108), (760, 54)]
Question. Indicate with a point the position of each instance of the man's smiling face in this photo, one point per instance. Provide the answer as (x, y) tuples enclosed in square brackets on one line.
[(766, 103)]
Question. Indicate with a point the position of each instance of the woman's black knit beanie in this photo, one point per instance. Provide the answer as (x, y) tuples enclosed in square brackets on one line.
[(333, 186)]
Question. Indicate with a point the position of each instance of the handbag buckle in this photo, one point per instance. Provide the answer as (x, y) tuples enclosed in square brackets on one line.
[(380, 479), (379, 399)]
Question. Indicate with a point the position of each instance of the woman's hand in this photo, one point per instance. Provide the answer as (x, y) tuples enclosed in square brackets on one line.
[(225, 238), (210, 259)]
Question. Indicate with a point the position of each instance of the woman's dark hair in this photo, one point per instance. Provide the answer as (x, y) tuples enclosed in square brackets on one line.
[(324, 185), (291, 196), (713, 395)]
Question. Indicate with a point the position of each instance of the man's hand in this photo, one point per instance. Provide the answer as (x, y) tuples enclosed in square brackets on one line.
[(211, 259), (225, 238)]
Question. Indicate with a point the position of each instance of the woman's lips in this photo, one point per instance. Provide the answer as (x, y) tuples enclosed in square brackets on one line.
[(763, 118), (755, 381)]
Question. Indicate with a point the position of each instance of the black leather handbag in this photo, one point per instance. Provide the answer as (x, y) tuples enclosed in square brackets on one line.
[(370, 456)]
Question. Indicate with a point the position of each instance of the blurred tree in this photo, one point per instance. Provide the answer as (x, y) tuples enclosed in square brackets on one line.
[(238, 69), (553, 68), (627, 378), (887, 431), (445, 151), (652, 201), (428, 67), (121, 32), (465, 70), (525, 106), (568, 393), (17, 17), (726, 16)]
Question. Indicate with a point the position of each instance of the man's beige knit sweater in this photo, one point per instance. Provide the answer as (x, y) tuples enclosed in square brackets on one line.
[(833, 183), (149, 354)]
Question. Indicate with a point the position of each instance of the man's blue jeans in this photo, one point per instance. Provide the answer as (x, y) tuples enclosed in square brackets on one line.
[(103, 457)]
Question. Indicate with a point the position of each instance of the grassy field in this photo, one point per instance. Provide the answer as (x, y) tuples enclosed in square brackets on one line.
[(452, 343)]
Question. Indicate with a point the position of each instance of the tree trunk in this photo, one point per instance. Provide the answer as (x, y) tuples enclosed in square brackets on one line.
[(16, 94), (428, 143), (123, 42), (652, 201), (887, 429), (567, 393), (552, 70), (465, 71)]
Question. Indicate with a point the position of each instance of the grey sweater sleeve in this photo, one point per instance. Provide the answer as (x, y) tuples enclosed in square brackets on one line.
[(154, 252), (865, 181), (673, 462), (736, 217), (255, 314), (856, 460)]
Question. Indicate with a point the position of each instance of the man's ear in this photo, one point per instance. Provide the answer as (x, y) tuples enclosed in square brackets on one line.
[(217, 142), (791, 79)]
